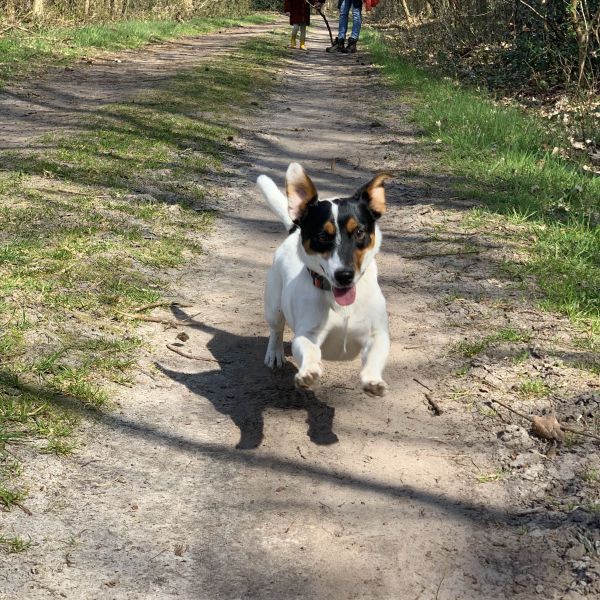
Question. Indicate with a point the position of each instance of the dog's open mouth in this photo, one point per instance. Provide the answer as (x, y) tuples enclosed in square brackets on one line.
[(344, 296)]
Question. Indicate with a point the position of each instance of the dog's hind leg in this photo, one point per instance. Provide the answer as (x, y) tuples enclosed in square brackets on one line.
[(274, 356), (374, 359), (308, 356)]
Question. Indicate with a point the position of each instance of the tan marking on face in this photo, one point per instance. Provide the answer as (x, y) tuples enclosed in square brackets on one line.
[(351, 225), (329, 228), (309, 250), (360, 253)]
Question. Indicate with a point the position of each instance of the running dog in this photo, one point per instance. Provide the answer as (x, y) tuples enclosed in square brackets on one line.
[(323, 282)]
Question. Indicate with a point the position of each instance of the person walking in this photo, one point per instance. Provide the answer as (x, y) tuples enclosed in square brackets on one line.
[(345, 6), (299, 13)]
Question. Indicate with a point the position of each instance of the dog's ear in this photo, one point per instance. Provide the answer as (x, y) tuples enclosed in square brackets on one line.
[(301, 191), (374, 194)]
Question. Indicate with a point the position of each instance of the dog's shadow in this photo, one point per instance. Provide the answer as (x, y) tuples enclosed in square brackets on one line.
[(243, 387)]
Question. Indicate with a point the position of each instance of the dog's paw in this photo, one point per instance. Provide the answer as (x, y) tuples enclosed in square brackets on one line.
[(274, 358), (306, 378), (375, 388)]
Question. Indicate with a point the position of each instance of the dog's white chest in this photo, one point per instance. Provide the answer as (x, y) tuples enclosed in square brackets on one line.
[(344, 337)]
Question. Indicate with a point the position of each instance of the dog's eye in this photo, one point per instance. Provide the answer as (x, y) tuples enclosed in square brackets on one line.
[(324, 237), (360, 234)]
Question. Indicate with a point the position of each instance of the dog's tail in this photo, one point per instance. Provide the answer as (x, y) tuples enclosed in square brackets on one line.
[(276, 200)]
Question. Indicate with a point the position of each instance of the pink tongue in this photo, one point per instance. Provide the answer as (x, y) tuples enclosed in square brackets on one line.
[(344, 296)]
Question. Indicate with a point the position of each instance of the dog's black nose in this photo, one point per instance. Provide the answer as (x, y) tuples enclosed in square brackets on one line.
[(344, 277)]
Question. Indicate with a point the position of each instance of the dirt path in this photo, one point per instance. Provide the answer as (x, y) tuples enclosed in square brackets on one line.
[(215, 479)]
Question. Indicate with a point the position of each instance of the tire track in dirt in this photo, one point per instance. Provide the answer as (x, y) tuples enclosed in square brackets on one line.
[(216, 480)]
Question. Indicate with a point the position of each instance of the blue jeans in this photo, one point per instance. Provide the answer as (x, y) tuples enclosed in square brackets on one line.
[(356, 20)]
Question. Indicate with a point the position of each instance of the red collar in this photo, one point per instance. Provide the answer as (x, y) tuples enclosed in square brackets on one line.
[(319, 281)]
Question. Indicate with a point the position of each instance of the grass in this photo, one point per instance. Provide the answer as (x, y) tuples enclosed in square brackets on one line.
[(487, 477), (591, 476), (513, 164), (471, 348), (10, 498), (13, 545), (26, 53), (92, 225), (533, 388)]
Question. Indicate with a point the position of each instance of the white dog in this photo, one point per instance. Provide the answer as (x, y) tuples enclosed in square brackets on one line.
[(323, 282)]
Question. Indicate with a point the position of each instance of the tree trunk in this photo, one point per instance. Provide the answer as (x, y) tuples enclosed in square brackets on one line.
[(37, 9), (583, 38)]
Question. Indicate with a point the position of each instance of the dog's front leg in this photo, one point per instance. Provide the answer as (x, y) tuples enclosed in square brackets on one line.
[(374, 358), (308, 357)]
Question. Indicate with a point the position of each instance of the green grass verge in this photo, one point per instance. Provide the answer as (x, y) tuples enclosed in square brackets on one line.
[(91, 225), (24, 53), (511, 162), (469, 349)]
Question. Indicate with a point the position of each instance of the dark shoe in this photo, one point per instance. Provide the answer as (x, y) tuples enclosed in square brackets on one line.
[(337, 46), (351, 48)]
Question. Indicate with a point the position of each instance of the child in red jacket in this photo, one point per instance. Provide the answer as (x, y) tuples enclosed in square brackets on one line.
[(299, 13)]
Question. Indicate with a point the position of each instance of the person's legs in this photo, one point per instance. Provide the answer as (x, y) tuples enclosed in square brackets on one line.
[(343, 25), (294, 34), (302, 37), (356, 23)]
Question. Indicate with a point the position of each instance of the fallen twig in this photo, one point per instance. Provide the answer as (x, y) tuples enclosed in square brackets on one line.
[(289, 526), (162, 303), (437, 592), (433, 255), (563, 427), (421, 383), (14, 26), (23, 508), (157, 555), (437, 409), (185, 354), (342, 387), (170, 322)]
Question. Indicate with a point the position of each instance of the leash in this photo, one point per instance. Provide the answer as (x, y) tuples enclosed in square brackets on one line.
[(324, 19)]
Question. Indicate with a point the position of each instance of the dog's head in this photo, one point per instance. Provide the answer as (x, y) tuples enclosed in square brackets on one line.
[(340, 236)]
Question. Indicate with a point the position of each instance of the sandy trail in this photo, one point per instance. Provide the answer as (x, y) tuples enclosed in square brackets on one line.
[(216, 480)]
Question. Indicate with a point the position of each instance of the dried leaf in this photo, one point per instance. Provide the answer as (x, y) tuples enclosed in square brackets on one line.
[(547, 427)]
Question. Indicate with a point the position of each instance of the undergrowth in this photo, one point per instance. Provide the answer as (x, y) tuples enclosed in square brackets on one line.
[(512, 165)]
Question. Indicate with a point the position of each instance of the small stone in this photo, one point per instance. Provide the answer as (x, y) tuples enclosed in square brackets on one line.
[(525, 459), (533, 472), (183, 336), (575, 552), (515, 436)]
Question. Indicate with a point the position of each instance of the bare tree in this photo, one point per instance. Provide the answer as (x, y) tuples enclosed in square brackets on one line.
[(37, 9)]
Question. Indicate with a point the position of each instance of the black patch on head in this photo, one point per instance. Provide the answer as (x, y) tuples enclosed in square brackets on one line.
[(362, 236), (312, 224)]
